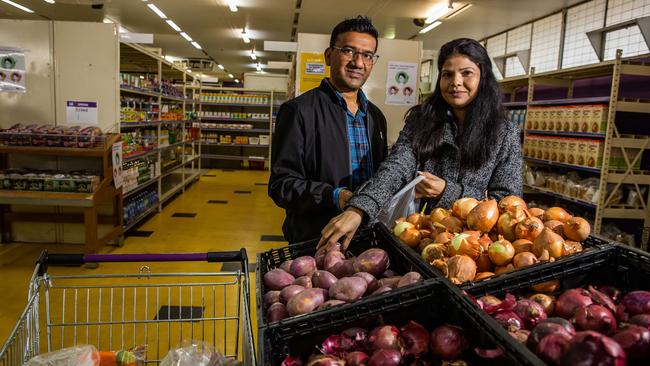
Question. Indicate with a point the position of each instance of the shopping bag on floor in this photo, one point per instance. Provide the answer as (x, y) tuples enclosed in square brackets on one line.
[(402, 204)]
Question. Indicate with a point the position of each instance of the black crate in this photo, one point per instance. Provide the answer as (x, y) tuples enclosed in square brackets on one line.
[(432, 304), (376, 236)]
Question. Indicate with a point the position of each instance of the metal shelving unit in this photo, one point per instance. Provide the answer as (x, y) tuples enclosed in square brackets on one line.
[(612, 139)]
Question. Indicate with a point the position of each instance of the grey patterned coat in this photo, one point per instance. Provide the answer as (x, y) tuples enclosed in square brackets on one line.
[(501, 176)]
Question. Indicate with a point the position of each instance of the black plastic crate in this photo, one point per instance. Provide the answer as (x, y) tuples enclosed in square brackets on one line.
[(376, 236), (432, 304)]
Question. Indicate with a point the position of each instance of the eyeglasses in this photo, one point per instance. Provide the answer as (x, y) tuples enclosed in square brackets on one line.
[(349, 53)]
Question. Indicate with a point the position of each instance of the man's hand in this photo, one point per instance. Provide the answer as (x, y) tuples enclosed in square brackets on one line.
[(430, 187), (343, 225), (344, 197)]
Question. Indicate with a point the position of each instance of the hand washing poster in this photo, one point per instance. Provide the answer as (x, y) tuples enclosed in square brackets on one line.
[(400, 83)]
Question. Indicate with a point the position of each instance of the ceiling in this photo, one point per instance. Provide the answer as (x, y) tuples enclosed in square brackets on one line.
[(218, 30)]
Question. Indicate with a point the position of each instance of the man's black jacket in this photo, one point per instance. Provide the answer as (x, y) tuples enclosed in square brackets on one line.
[(311, 157)]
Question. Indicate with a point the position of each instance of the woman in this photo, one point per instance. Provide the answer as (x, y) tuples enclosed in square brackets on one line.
[(459, 140)]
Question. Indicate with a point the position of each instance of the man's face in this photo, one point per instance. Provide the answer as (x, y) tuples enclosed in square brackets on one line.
[(350, 70)]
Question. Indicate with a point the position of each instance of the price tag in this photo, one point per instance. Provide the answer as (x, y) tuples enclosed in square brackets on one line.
[(81, 112)]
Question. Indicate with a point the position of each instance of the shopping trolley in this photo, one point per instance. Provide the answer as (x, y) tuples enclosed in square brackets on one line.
[(134, 308)]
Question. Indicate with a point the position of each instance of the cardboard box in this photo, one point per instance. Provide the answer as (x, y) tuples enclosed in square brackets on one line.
[(594, 157), (562, 153), (541, 147), (555, 149), (567, 116), (264, 139), (598, 122), (543, 123), (530, 145), (576, 117), (548, 148), (572, 151), (531, 117)]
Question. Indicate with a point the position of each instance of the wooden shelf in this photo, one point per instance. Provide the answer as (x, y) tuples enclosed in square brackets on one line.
[(109, 140), (8, 197)]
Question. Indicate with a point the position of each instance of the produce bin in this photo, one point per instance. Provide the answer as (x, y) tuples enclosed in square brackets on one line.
[(432, 304), (376, 236)]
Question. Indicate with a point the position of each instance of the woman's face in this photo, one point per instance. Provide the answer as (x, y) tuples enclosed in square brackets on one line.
[(459, 81)]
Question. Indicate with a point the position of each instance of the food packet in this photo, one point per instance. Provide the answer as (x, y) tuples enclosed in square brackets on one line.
[(80, 355), (193, 353)]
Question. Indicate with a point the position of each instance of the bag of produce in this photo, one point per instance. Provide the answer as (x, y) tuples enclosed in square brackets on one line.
[(402, 204), (81, 355)]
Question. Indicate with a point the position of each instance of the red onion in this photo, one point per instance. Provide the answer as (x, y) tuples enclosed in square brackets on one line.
[(602, 299), (325, 360), (543, 330), (489, 353), (635, 340), (415, 338), (612, 292), (356, 335), (531, 312), (448, 342), (591, 348), (509, 320), (641, 319), (291, 361), (357, 358), (385, 357), (570, 301), (595, 317), (508, 303), (384, 337), (521, 335), (552, 347), (336, 345), (564, 323), (636, 302)]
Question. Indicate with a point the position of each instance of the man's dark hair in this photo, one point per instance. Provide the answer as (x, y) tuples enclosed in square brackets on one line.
[(360, 24)]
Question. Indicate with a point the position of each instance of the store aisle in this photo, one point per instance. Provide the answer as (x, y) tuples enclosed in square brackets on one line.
[(226, 210)]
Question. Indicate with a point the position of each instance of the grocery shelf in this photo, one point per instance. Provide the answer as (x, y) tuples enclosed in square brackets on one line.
[(140, 187), (150, 123), (234, 119), (599, 135), (569, 166), (560, 196), (11, 197), (234, 145), (568, 101), (237, 104), (139, 156), (258, 130), (631, 142), (626, 213), (141, 217), (127, 89), (177, 166), (173, 145), (170, 193), (232, 157), (169, 97), (52, 151), (632, 178), (515, 104), (637, 106)]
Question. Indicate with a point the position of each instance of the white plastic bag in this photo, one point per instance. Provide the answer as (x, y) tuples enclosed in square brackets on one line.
[(196, 353), (81, 355), (402, 204)]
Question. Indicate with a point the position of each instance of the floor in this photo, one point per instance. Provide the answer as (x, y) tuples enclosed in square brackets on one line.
[(223, 211)]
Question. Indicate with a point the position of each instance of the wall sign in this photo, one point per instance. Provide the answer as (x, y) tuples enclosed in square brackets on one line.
[(12, 70), (81, 112), (400, 83), (312, 70)]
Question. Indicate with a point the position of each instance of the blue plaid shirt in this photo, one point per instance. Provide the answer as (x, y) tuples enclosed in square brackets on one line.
[(360, 155)]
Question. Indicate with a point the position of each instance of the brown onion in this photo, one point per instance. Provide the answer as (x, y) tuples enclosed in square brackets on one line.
[(577, 229), (437, 214), (511, 204), (482, 275), (423, 244), (529, 228), (536, 212), (522, 245), (546, 287), (555, 225), (550, 241), (571, 247), (462, 268), (504, 269), (506, 225), (483, 263), (425, 233), (501, 252), (484, 216), (547, 302), (434, 251), (410, 237), (524, 259), (485, 242), (414, 219), (490, 300), (401, 226), (452, 224), (556, 213), (443, 238), (464, 244), (462, 207)]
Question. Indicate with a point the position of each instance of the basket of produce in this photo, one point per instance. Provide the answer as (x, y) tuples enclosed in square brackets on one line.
[(298, 280), (480, 240), (588, 310), (439, 326)]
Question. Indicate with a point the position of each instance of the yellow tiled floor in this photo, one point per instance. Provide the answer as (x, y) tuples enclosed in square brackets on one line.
[(216, 227)]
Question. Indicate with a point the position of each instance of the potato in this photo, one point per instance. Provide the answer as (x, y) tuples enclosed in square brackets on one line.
[(348, 289), (370, 280), (343, 269), (323, 279), (306, 301), (390, 281), (286, 265), (332, 259), (289, 291), (381, 290), (304, 281), (389, 273), (276, 312), (302, 266), (277, 279), (374, 261), (409, 279), (329, 303), (270, 298)]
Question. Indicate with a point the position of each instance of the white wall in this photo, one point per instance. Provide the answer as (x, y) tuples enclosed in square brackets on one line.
[(375, 87), (266, 81)]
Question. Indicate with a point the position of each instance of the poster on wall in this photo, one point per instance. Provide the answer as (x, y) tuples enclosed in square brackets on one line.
[(81, 112), (12, 70), (400, 83), (116, 155), (312, 70)]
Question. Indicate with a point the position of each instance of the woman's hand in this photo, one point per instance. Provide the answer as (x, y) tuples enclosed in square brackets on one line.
[(343, 225), (430, 187)]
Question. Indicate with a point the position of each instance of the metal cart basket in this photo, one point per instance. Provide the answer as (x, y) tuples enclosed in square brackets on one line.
[(135, 306)]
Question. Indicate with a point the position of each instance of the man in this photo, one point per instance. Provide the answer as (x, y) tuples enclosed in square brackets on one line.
[(329, 140)]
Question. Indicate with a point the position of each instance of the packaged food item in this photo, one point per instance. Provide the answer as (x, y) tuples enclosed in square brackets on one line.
[(548, 148), (599, 117), (617, 158), (555, 149), (70, 136), (576, 117), (583, 152), (572, 151), (80, 355), (594, 153), (563, 150), (543, 123)]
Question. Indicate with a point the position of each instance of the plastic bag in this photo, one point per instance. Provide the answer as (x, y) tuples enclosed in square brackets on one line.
[(196, 353), (402, 204), (81, 355), (133, 357)]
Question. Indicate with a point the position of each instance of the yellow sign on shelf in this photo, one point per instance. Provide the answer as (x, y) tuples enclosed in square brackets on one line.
[(312, 70)]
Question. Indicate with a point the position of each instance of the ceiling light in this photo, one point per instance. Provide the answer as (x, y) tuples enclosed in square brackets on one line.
[(173, 25), (237, 81), (462, 9), (220, 66), (196, 45), (232, 4), (244, 36), (23, 8), (429, 27), (437, 12), (189, 70), (50, 1), (253, 55), (231, 76), (184, 35), (157, 11), (259, 67)]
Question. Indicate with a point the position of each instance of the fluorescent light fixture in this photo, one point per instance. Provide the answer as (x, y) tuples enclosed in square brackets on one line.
[(462, 9), (50, 1), (173, 25), (231, 76), (184, 35), (244, 36), (189, 70), (232, 4), (158, 12), (278, 65), (196, 45), (429, 27), (237, 81), (142, 77), (23, 8), (253, 55), (280, 46), (220, 66), (437, 12)]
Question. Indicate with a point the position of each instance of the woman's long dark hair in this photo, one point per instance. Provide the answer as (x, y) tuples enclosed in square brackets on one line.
[(484, 116)]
